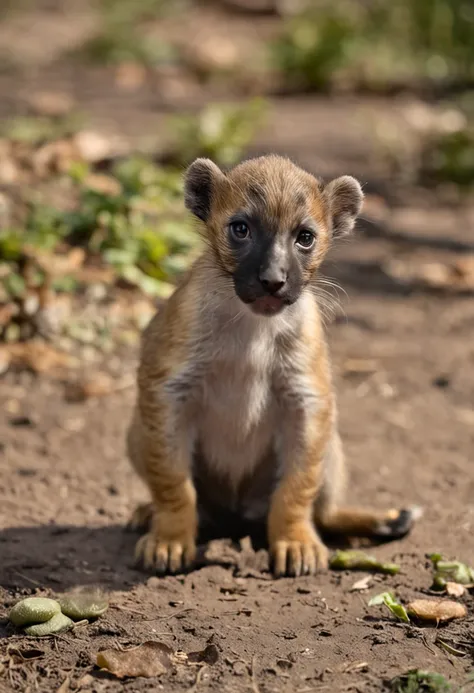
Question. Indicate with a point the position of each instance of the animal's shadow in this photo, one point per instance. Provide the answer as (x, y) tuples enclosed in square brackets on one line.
[(65, 556)]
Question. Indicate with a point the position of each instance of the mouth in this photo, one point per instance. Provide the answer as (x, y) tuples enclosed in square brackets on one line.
[(267, 305)]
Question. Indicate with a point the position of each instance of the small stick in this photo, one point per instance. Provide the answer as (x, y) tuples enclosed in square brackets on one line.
[(172, 615), (198, 679), (25, 577), (255, 687)]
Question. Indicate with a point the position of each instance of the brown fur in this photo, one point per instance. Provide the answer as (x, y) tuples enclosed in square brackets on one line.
[(233, 397)]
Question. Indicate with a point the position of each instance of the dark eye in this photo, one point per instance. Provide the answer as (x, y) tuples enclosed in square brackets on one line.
[(305, 239), (239, 230)]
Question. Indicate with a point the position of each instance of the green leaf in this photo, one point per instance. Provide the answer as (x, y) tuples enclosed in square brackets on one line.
[(450, 571), (78, 171), (391, 603), (119, 257), (67, 284), (10, 245), (358, 560), (15, 285)]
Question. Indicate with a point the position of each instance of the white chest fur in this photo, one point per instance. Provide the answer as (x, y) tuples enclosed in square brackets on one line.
[(238, 416)]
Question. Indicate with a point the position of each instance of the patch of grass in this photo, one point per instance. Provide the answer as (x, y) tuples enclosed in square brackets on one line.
[(131, 11), (120, 38), (417, 681), (34, 130), (116, 45), (220, 132), (449, 158), (312, 47), (129, 220), (377, 43), (432, 145), (139, 228)]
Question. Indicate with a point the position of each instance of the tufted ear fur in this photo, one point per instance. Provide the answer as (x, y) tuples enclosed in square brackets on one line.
[(200, 183), (345, 198)]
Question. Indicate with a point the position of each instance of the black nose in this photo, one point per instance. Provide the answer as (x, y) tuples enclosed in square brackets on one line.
[(273, 280)]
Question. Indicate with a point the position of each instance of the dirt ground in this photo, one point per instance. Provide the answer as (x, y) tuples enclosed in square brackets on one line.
[(66, 491), (407, 421)]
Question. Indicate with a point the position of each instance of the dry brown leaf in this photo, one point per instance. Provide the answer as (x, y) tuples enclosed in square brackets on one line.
[(103, 184), (213, 53), (57, 265), (39, 357), (454, 589), (9, 171), (95, 275), (130, 76), (149, 659), (436, 610), (53, 157), (457, 275), (359, 366), (51, 103), (92, 146), (362, 584), (7, 312), (96, 385)]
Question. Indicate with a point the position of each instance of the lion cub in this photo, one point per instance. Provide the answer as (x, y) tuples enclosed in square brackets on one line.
[(236, 409)]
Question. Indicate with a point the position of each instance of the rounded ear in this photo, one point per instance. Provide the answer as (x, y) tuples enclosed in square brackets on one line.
[(200, 182), (345, 199)]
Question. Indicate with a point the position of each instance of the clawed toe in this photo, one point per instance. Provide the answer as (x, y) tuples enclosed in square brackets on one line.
[(294, 558), (164, 556)]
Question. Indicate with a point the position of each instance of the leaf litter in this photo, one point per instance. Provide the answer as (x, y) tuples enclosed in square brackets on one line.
[(436, 610), (389, 600), (450, 573), (430, 610), (152, 659), (358, 560), (149, 659)]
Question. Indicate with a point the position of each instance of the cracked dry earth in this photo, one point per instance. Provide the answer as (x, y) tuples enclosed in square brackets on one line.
[(66, 491)]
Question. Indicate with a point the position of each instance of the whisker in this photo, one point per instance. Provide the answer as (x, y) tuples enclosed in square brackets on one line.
[(328, 299)]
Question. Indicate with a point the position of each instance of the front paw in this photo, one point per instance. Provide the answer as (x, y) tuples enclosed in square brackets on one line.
[(165, 554), (298, 551)]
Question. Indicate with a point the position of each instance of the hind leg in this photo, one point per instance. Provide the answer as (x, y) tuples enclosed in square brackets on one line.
[(331, 516)]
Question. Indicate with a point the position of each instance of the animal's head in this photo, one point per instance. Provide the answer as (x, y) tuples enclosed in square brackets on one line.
[(270, 224)]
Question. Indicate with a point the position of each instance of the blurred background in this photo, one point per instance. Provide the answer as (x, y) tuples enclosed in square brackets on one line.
[(104, 102)]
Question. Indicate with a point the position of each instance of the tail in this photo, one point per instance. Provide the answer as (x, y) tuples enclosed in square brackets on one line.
[(353, 521)]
